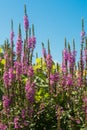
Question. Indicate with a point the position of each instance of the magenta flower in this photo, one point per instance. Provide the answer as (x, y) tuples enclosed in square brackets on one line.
[(24, 67), (16, 119), (19, 46), (63, 80), (11, 75), (18, 68), (54, 78), (6, 55), (79, 80), (26, 22), (3, 126), (63, 67), (65, 54), (6, 101), (30, 71), (24, 63), (6, 79), (69, 80), (71, 58), (30, 91), (16, 122), (11, 36), (31, 42), (49, 61), (23, 112)]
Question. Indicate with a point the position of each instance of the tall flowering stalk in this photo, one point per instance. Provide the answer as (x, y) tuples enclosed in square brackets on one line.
[(26, 27), (44, 51), (32, 43), (19, 45), (24, 59), (49, 63), (26, 22), (82, 33), (65, 58), (81, 51), (74, 56), (12, 42), (81, 64)]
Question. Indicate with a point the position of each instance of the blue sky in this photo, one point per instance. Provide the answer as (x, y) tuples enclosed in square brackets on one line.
[(53, 20)]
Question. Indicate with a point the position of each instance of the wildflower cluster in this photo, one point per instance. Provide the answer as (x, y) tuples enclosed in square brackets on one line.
[(34, 95)]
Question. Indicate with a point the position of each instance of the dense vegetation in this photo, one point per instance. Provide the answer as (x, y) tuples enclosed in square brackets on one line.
[(43, 95)]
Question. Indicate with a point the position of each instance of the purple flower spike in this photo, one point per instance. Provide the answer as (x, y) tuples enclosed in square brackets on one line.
[(49, 61), (12, 36), (30, 92), (6, 101), (30, 71), (26, 23)]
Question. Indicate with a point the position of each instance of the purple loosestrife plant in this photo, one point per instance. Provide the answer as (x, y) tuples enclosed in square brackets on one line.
[(28, 94)]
